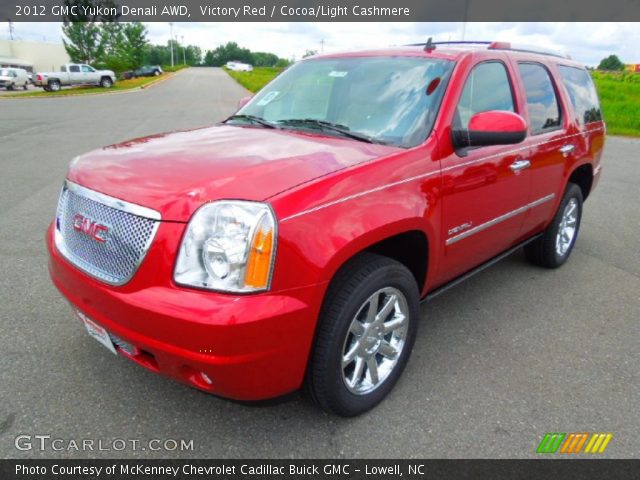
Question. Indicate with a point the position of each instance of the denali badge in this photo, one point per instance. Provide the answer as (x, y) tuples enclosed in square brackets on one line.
[(91, 228), (460, 228)]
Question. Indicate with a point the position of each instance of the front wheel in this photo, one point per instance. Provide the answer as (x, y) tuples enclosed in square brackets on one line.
[(555, 245), (106, 82), (365, 335)]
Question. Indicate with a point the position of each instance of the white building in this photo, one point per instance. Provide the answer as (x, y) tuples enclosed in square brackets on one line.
[(32, 56)]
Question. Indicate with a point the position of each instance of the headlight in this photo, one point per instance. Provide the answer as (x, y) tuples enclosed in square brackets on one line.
[(229, 246)]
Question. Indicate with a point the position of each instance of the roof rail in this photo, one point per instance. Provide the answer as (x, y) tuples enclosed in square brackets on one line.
[(497, 46), (527, 49)]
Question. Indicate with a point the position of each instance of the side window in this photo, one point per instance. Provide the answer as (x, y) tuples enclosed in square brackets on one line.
[(582, 93), (487, 88), (542, 102), (87, 69), (63, 68), (74, 68)]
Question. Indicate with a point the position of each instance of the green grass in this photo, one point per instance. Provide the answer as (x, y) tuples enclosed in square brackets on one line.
[(619, 95), (620, 99), (256, 79), (175, 68)]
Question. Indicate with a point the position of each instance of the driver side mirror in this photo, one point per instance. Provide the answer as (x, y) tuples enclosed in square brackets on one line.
[(243, 101), (495, 127)]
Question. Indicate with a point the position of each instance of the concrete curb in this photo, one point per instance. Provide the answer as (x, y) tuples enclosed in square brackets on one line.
[(146, 86)]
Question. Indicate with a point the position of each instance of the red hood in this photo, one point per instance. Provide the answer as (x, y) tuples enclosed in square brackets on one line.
[(175, 173)]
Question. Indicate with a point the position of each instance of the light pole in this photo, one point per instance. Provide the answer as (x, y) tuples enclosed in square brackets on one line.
[(171, 40), (184, 53)]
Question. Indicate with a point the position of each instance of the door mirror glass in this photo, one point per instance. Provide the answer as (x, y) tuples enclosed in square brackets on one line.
[(494, 127)]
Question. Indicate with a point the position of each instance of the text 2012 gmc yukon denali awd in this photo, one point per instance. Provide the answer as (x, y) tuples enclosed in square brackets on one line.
[(292, 244)]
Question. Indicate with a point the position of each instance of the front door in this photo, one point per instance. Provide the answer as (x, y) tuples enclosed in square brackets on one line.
[(485, 189)]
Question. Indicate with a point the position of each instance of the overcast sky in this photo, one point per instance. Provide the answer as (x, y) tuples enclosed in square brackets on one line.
[(586, 42)]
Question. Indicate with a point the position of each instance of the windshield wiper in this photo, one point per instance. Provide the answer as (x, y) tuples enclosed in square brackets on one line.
[(252, 119), (330, 127)]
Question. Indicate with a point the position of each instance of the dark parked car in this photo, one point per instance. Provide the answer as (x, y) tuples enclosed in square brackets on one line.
[(145, 71)]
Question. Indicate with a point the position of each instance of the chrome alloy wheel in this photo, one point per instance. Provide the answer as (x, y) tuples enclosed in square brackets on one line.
[(375, 341), (567, 227)]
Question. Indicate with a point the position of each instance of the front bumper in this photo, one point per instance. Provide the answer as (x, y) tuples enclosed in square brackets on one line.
[(252, 347)]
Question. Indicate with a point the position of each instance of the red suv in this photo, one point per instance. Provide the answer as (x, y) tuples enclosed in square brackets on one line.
[(293, 243)]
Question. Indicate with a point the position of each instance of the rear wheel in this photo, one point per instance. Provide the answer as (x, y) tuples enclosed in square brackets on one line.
[(553, 248), (365, 335), (25, 86), (54, 85)]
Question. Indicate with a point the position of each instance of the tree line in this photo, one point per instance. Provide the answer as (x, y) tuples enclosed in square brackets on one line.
[(231, 51)]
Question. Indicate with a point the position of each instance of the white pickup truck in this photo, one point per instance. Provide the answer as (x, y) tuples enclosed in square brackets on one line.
[(74, 74)]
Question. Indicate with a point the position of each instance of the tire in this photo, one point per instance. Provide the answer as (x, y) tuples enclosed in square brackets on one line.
[(338, 387), (106, 82), (54, 86), (555, 245), (10, 87), (46, 88), (25, 86), (156, 73)]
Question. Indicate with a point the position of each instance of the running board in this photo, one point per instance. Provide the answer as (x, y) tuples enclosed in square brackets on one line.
[(458, 280)]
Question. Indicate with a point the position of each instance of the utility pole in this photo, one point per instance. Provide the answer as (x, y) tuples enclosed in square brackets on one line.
[(171, 40), (322, 46), (184, 52), (466, 15), (10, 29)]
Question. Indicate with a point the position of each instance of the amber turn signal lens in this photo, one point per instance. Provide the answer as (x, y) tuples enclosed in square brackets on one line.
[(260, 254)]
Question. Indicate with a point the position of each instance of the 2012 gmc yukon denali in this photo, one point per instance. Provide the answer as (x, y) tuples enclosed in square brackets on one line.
[(291, 245)]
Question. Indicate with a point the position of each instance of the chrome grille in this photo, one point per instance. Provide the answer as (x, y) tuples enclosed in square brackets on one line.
[(125, 244)]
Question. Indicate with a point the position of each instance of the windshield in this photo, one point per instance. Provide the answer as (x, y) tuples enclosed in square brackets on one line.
[(4, 72), (390, 100)]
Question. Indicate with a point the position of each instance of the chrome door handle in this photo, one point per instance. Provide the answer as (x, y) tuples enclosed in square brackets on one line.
[(519, 165), (567, 149)]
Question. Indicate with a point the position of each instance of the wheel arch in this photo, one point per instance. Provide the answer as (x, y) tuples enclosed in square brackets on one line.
[(582, 175), (406, 242)]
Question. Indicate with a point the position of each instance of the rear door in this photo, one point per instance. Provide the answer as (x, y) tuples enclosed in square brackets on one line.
[(75, 75), (549, 127), (483, 194), (587, 123)]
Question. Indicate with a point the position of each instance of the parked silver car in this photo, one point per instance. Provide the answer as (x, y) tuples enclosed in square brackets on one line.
[(11, 78), (74, 74)]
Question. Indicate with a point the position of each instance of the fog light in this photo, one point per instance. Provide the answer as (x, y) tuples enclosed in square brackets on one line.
[(206, 379)]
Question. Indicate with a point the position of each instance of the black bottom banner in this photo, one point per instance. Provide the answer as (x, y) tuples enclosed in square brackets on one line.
[(312, 469)]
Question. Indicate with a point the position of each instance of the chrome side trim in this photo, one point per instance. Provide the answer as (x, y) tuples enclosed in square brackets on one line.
[(112, 202), (499, 219), (360, 194), (452, 167)]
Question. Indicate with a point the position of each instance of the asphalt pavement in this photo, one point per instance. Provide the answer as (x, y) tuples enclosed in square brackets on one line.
[(508, 356)]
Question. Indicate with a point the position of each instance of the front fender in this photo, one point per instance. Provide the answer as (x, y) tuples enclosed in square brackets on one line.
[(314, 243)]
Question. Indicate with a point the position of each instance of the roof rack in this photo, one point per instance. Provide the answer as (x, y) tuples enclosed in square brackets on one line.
[(430, 45)]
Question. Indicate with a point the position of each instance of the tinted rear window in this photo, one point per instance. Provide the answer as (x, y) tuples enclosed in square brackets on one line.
[(582, 93), (544, 109)]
